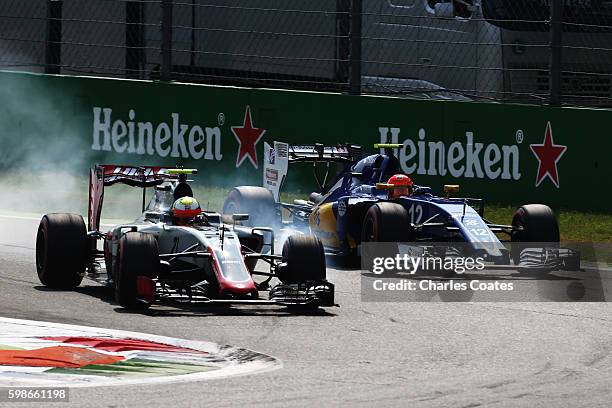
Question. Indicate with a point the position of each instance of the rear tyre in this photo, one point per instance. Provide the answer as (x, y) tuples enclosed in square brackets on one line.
[(533, 223), (303, 260), (62, 250), (258, 202), (138, 256)]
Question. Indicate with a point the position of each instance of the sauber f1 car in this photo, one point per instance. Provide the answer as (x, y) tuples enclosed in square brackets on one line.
[(152, 259), (356, 207)]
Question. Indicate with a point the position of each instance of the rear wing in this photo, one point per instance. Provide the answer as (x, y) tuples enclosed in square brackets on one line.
[(141, 176), (278, 156), (345, 153), (102, 175)]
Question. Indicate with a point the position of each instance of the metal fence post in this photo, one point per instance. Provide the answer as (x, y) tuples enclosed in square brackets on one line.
[(343, 31), (53, 43), (355, 39), (556, 42), (166, 43), (134, 39)]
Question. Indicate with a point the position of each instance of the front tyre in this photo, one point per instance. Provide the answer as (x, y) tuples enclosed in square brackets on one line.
[(138, 256), (62, 250), (386, 222), (303, 260), (533, 223)]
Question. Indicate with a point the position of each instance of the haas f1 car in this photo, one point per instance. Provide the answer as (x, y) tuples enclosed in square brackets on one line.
[(359, 206), (154, 259)]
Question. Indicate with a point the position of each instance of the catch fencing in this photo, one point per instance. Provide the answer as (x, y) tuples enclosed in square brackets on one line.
[(541, 52)]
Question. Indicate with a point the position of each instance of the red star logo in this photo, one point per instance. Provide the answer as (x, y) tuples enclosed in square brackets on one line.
[(548, 154), (247, 137)]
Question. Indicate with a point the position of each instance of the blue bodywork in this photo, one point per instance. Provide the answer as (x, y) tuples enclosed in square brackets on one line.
[(434, 218)]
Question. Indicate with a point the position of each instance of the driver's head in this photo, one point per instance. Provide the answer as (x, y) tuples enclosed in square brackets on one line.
[(184, 210), (401, 185)]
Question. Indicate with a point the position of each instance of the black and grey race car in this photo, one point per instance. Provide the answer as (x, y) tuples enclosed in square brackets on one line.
[(151, 259)]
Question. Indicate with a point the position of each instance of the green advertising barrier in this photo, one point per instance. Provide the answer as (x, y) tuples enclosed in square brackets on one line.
[(504, 153)]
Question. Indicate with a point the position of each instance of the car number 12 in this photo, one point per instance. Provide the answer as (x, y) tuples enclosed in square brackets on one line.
[(416, 213), (480, 232)]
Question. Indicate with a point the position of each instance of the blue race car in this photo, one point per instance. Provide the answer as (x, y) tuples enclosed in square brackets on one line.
[(359, 205)]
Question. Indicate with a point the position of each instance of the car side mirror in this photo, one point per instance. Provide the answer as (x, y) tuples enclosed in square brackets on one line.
[(444, 10), (384, 186), (154, 215), (451, 188)]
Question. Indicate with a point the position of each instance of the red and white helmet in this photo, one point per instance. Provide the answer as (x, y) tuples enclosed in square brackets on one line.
[(401, 183), (186, 208)]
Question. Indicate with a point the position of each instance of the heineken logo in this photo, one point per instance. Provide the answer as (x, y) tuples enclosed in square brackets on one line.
[(467, 158), (171, 138), (419, 154), (112, 132)]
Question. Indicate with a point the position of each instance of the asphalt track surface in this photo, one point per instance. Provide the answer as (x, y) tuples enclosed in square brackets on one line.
[(421, 354)]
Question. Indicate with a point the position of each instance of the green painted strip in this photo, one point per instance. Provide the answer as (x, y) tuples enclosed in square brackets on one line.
[(136, 367), (156, 363), (5, 347)]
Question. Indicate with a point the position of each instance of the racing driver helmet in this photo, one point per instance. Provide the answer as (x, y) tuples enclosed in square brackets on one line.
[(184, 210), (402, 185)]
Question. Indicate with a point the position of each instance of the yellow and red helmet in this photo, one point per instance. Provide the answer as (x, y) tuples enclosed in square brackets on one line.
[(186, 208), (402, 184)]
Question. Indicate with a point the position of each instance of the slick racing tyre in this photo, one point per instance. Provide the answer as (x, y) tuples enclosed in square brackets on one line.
[(533, 223), (258, 202), (386, 222), (138, 256), (61, 250), (303, 260)]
